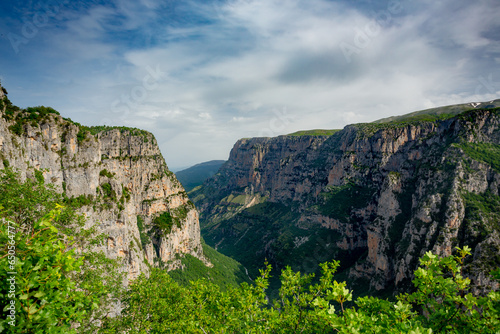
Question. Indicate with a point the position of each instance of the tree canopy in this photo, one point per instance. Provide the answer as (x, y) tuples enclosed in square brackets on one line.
[(63, 286)]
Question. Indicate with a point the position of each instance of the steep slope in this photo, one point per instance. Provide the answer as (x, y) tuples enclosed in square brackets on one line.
[(118, 177), (375, 196), (194, 176), (441, 112)]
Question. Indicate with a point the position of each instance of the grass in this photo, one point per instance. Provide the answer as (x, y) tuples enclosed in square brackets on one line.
[(439, 112), (316, 132), (369, 129)]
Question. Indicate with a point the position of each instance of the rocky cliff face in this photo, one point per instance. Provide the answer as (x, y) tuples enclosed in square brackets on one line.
[(375, 196), (119, 171)]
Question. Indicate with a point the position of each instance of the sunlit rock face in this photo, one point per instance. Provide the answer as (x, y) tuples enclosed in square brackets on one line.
[(376, 196), (124, 175)]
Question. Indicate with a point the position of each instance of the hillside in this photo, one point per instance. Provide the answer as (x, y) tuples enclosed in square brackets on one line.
[(441, 112), (117, 177), (194, 176), (375, 196)]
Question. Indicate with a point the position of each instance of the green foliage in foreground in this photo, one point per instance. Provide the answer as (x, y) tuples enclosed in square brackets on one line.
[(441, 303), (59, 279), (45, 296), (64, 287)]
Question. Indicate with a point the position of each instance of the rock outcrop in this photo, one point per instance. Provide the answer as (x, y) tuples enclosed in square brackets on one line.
[(120, 171), (375, 196)]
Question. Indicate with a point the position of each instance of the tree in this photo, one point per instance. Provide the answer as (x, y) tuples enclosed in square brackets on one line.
[(440, 304), (62, 286), (46, 298), (60, 280)]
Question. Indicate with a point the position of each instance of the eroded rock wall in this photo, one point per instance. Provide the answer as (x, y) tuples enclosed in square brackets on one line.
[(124, 174), (390, 192)]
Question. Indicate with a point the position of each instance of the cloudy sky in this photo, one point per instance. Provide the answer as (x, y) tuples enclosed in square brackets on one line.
[(202, 74)]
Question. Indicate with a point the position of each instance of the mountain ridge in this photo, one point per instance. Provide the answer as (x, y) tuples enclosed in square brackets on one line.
[(374, 195), (118, 178), (194, 176)]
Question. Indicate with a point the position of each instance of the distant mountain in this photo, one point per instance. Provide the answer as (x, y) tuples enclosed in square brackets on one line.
[(441, 112), (375, 196), (194, 176)]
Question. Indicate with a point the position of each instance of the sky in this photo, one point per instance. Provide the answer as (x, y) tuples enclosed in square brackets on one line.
[(202, 74)]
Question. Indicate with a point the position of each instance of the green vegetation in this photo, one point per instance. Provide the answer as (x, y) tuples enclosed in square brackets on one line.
[(484, 152), (31, 115), (79, 201), (484, 204), (108, 192), (338, 202), (464, 112), (81, 135), (272, 231), (39, 176), (164, 222), (56, 286), (483, 207), (440, 303), (125, 195), (225, 272), (196, 175), (316, 132), (440, 112), (104, 128), (40, 114), (369, 129), (105, 173), (144, 237), (47, 299), (254, 228)]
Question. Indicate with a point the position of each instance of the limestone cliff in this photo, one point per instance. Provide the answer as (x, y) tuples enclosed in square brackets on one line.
[(375, 196), (117, 174)]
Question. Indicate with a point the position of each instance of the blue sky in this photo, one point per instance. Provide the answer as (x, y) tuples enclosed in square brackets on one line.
[(202, 74)]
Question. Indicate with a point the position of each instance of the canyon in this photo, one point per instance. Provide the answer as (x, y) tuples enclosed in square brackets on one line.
[(376, 196)]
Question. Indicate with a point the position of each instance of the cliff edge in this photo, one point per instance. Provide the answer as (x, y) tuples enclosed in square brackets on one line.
[(375, 196), (117, 176)]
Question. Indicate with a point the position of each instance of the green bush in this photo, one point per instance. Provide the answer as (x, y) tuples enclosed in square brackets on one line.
[(164, 222), (108, 191), (57, 286), (144, 237), (105, 173), (81, 135), (484, 152), (440, 303), (46, 298), (17, 128)]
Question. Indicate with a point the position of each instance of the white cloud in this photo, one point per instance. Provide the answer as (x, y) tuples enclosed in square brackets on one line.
[(225, 68)]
